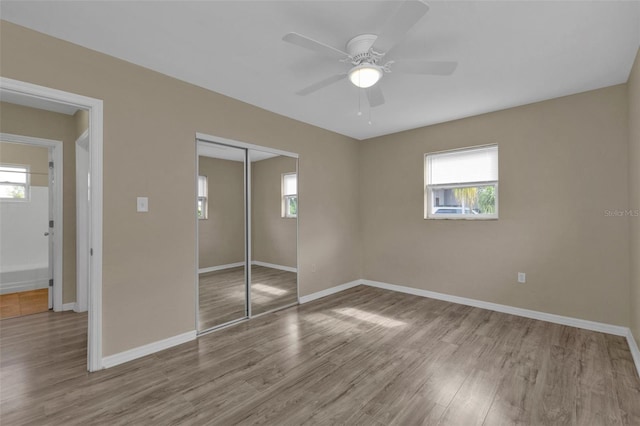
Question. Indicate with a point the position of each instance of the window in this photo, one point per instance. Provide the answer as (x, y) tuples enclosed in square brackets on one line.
[(203, 193), (14, 182), (290, 195), (462, 184)]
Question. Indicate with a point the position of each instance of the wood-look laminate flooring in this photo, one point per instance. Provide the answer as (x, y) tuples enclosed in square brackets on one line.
[(24, 303), (222, 293), (363, 356)]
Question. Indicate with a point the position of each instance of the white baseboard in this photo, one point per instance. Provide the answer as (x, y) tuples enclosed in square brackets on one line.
[(527, 313), (635, 352), (329, 291), (274, 266), (615, 330), (69, 306), (140, 351), (220, 267), (253, 262)]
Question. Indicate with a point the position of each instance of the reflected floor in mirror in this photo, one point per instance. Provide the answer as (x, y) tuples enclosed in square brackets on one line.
[(271, 289), (221, 297), (222, 293)]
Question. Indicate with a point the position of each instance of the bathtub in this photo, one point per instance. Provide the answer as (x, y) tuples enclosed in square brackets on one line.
[(24, 278)]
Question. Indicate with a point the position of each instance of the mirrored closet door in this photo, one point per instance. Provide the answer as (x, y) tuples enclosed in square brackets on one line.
[(221, 211), (247, 208), (274, 231)]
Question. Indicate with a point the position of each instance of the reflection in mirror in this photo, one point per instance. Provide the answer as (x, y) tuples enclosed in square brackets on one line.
[(221, 235), (274, 211)]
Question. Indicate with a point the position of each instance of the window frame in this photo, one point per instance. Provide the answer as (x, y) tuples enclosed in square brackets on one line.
[(286, 197), (204, 199), (429, 188), (26, 185)]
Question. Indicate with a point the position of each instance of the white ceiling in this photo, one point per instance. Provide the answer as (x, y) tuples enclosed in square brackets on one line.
[(509, 52)]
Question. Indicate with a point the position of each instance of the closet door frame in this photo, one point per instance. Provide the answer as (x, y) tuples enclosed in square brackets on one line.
[(205, 138)]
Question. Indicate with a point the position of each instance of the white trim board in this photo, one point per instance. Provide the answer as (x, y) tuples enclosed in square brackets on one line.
[(329, 291), (148, 349), (83, 246), (69, 306), (240, 144), (253, 262), (220, 267), (95, 108), (151, 348), (635, 352), (274, 266), (616, 330)]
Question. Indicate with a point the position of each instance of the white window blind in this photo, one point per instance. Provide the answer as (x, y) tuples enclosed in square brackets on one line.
[(202, 186), (466, 166), (462, 184), (290, 184)]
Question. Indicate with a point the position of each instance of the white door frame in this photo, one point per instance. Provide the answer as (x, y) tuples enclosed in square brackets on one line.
[(56, 157), (95, 108), (83, 246)]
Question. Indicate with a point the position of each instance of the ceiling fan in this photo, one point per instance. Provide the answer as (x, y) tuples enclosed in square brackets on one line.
[(365, 54)]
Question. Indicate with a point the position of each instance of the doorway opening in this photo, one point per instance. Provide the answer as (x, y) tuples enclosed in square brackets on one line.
[(44, 98), (31, 229)]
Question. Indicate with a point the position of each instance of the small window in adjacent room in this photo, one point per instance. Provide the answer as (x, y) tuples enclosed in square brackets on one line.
[(14, 182), (289, 195), (462, 184), (202, 197)]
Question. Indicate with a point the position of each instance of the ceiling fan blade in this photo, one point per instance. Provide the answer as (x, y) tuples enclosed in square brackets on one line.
[(316, 46), (375, 96), (321, 84), (409, 13), (425, 67)]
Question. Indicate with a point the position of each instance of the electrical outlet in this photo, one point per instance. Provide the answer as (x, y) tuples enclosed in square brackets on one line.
[(522, 277)]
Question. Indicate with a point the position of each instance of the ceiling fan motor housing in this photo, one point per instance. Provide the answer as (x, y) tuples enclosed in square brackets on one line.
[(359, 48)]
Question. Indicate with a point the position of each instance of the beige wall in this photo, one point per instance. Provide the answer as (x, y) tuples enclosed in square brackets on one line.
[(273, 237), (37, 123), (562, 163), (37, 158), (634, 193), (150, 121), (221, 235)]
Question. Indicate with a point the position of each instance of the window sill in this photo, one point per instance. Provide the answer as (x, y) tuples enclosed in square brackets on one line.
[(461, 218)]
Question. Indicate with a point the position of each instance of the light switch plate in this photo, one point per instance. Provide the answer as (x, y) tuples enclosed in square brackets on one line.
[(143, 204)]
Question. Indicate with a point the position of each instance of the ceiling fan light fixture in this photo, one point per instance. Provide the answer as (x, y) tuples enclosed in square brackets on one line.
[(365, 75)]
